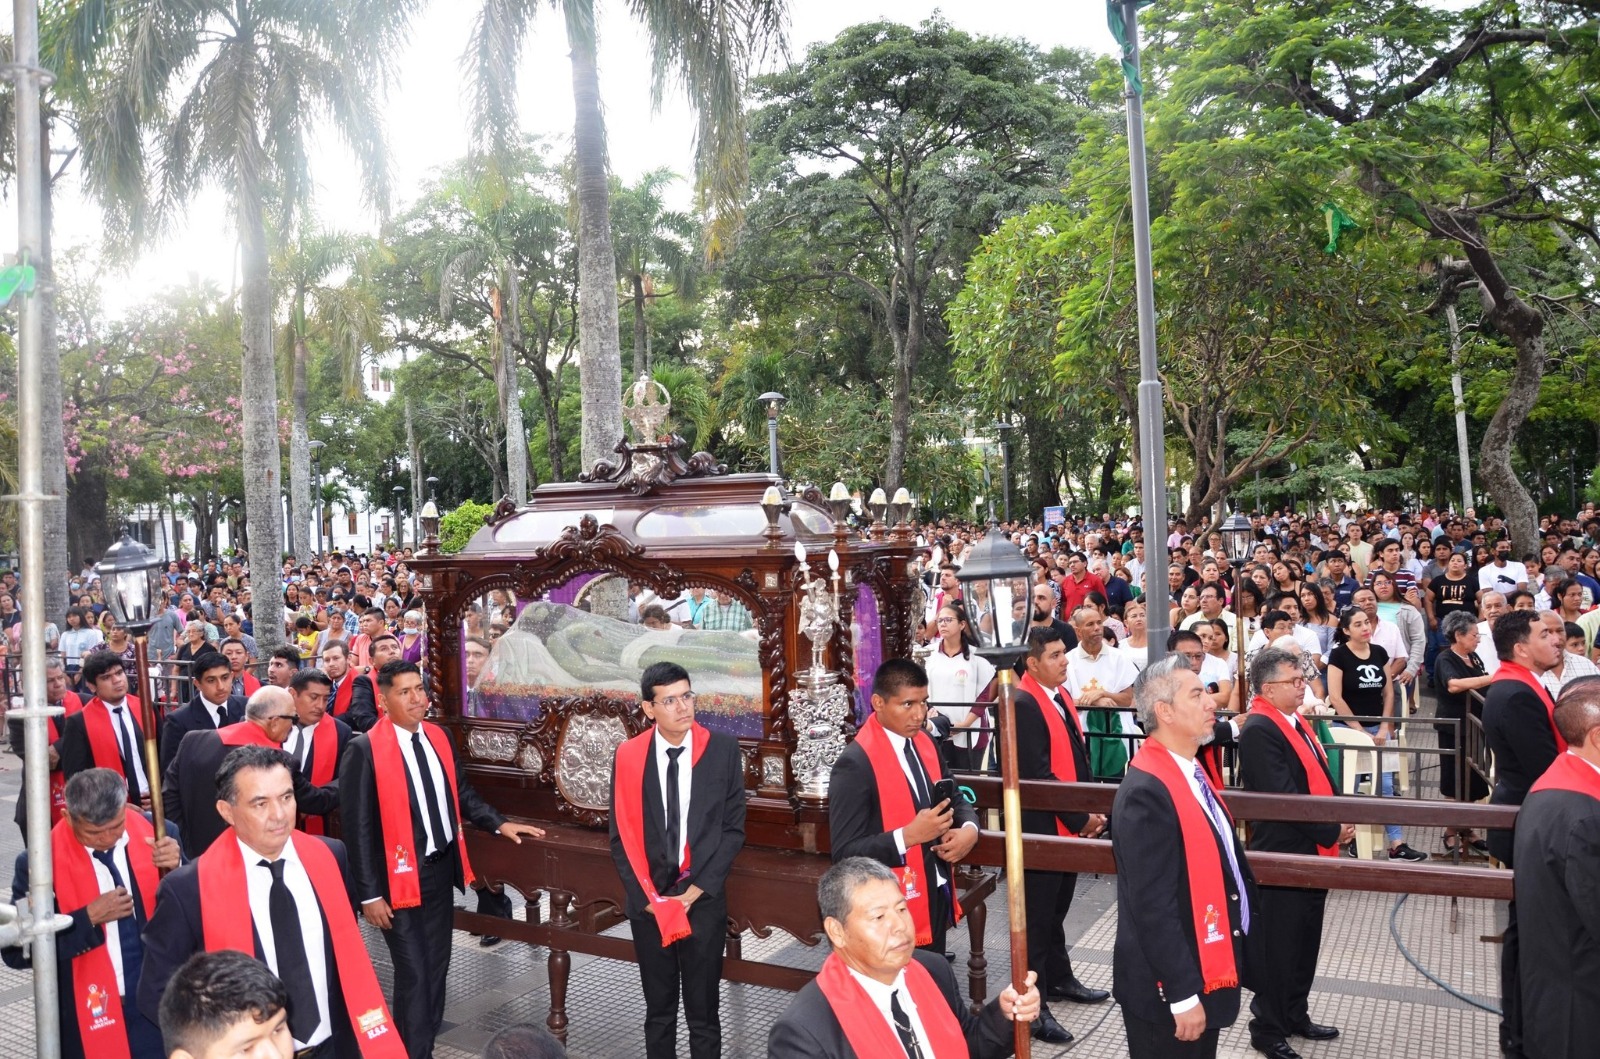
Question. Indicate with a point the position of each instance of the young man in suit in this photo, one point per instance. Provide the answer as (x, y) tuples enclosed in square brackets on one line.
[(877, 994), (106, 733), (403, 798), (353, 696), (882, 801), (213, 706), (1184, 891), (1279, 754), (106, 861), (282, 896), (677, 822), (1051, 746)]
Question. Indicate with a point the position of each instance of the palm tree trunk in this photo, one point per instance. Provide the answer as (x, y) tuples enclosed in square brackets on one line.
[(54, 445), (263, 486), (599, 345), (299, 457), (641, 332)]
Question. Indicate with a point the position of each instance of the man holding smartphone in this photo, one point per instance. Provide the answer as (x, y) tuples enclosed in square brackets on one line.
[(890, 800)]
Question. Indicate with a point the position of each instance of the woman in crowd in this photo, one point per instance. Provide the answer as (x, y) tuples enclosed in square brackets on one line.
[(1135, 644), (1188, 602), (411, 638), (1457, 671), (958, 674), (1569, 600), (78, 640), (119, 643), (392, 614), (1284, 576)]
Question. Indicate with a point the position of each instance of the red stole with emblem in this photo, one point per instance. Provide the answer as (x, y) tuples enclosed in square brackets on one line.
[(898, 809), (870, 1034), (324, 763), (1208, 896), (1315, 762), (58, 780), (394, 809), (1062, 766), (1522, 675), (225, 923), (103, 744), (101, 1024), (627, 804)]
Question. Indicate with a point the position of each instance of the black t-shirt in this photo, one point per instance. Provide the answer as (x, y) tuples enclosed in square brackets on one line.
[(1451, 666), (1449, 596), (1363, 678)]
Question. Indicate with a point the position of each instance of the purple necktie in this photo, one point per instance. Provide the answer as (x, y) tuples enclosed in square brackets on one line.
[(1219, 821)]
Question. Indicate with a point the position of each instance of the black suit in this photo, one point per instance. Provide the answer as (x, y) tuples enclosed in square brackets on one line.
[(144, 1036), (692, 964), (14, 731), (189, 791), (76, 754), (1284, 954), (808, 1028), (176, 932), (1048, 893), (194, 718), (1516, 726), (1156, 959), (363, 711), (420, 938), (855, 827), (1558, 891)]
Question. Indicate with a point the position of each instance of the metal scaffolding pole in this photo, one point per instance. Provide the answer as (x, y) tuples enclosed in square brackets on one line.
[(30, 499)]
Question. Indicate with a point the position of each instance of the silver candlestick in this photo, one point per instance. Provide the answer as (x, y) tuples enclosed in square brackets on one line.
[(820, 707)]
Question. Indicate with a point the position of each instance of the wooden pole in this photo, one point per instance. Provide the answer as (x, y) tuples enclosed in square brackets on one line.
[(1011, 805), (147, 719)]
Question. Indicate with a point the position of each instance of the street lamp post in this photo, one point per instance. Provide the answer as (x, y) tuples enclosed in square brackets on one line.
[(316, 484), (1002, 567), (399, 517), (1004, 428), (130, 578), (1237, 538), (774, 402)]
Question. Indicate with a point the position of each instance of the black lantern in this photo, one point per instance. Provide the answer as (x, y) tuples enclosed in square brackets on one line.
[(1238, 537), (1003, 571), (131, 580)]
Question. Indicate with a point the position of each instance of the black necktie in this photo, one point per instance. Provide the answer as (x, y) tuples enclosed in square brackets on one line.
[(674, 806), (127, 929), (1073, 735), (294, 969), (902, 1027), (919, 786), (129, 766), (435, 818)]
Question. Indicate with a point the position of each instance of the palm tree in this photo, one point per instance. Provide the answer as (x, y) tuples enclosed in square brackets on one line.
[(224, 92), (707, 46), (346, 317), (651, 238)]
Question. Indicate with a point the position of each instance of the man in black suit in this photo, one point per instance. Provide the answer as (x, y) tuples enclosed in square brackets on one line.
[(317, 741), (106, 733), (882, 804), (677, 823), (1280, 755), (105, 879), (189, 787), (351, 698), (282, 896), (877, 994), (1519, 726), (1051, 746), (1180, 870), (213, 705), (55, 695), (403, 798)]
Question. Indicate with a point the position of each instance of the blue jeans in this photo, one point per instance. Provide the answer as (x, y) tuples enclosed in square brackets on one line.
[(1386, 787)]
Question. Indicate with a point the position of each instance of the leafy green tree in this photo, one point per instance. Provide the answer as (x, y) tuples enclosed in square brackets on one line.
[(457, 527)]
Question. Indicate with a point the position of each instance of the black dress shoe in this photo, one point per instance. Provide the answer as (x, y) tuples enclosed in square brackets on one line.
[(1078, 993), (1313, 1032), (1047, 1029), (1275, 1050)]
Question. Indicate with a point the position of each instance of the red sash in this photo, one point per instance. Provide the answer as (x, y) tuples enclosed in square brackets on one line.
[(341, 694), (870, 1034), (1315, 762), (324, 763), (1522, 675), (226, 924), (1208, 895), (58, 780), (1061, 763), (103, 745), (898, 809), (1569, 772), (94, 979), (251, 684), (394, 809), (627, 803), (246, 733)]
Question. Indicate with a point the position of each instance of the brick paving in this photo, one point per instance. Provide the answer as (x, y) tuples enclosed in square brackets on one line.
[(1364, 985)]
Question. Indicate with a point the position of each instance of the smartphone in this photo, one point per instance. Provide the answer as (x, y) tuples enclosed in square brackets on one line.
[(945, 790)]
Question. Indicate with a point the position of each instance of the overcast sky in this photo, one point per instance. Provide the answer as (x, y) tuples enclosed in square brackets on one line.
[(428, 117)]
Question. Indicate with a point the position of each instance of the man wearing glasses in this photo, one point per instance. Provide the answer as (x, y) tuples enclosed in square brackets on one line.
[(677, 822)]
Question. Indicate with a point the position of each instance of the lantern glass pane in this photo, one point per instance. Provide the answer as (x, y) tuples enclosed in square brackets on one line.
[(1003, 593)]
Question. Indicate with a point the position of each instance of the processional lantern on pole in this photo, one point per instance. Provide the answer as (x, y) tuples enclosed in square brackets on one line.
[(131, 580), (1004, 571)]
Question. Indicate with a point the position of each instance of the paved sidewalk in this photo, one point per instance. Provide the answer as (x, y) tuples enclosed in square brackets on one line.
[(1364, 985)]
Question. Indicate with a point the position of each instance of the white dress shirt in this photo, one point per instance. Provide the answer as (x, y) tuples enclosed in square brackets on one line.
[(258, 881), (113, 929), (685, 766), (122, 721), (1224, 829), (214, 709), (436, 769), (298, 745), (880, 995), (898, 742)]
